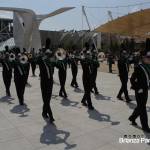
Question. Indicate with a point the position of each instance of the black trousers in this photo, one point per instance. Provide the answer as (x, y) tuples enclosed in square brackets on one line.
[(33, 66), (46, 89), (7, 80), (20, 84), (110, 67), (87, 92), (123, 89), (94, 76), (62, 79), (140, 110), (27, 72), (74, 75)]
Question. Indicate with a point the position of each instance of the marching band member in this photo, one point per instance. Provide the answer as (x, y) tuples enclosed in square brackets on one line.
[(7, 71), (33, 63), (74, 69), (20, 75), (62, 71), (27, 67), (86, 78), (94, 66), (46, 83), (140, 82), (123, 74)]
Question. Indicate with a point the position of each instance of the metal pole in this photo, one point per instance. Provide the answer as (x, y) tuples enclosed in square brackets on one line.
[(83, 10), (82, 29)]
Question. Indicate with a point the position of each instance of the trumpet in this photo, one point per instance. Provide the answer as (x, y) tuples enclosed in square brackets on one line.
[(60, 54), (23, 59), (29, 55), (12, 57)]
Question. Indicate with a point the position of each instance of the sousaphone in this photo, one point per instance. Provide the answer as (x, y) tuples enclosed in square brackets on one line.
[(60, 54)]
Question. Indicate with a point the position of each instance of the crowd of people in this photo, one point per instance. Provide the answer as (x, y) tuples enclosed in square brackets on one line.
[(19, 62)]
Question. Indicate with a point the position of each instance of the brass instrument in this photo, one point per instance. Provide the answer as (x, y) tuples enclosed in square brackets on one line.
[(82, 56), (60, 54), (101, 56), (12, 57), (23, 59), (29, 55)]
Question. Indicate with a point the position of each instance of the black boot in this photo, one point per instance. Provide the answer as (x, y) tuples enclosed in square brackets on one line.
[(128, 100), (90, 107), (119, 98), (51, 120), (146, 129), (84, 103), (132, 121), (45, 116), (60, 94), (8, 93)]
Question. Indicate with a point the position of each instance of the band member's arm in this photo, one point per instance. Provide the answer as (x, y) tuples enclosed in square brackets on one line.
[(134, 79)]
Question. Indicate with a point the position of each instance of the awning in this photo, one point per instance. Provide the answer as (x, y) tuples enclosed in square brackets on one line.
[(136, 24)]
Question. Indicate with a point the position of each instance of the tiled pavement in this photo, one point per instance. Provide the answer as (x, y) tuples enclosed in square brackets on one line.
[(76, 128)]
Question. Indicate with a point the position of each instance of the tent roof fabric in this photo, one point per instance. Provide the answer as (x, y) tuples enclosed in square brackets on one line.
[(10, 42), (136, 24)]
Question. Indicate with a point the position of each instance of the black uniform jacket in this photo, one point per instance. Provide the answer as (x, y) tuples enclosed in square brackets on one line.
[(139, 79), (123, 69)]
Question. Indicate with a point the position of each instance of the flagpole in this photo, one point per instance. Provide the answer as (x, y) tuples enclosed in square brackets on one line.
[(84, 13), (82, 29)]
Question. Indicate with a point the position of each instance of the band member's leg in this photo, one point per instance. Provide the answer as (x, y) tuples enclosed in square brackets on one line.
[(140, 110), (62, 79), (84, 100), (27, 71), (46, 95), (75, 79), (7, 83), (121, 90), (64, 91), (143, 115), (125, 90), (20, 87), (33, 66), (88, 96)]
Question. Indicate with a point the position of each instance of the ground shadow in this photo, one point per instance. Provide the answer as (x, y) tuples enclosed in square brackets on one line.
[(96, 115), (28, 85), (133, 106), (52, 135), (78, 90), (56, 83), (67, 102), (102, 97), (56, 97), (113, 72), (21, 110), (132, 97), (34, 76), (6, 99)]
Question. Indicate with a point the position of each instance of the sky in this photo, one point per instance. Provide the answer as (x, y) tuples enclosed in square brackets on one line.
[(73, 19)]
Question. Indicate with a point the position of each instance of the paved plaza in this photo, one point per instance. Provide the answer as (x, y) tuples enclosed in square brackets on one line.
[(76, 128)]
